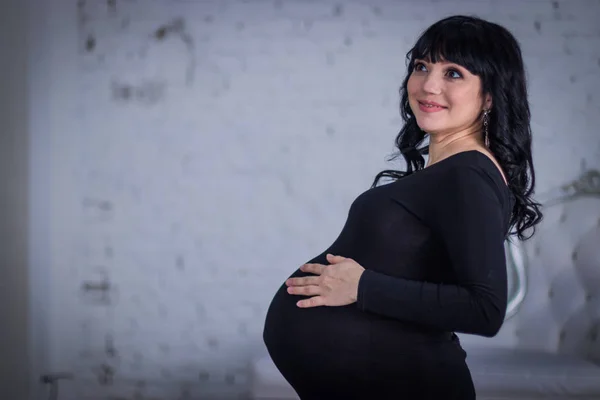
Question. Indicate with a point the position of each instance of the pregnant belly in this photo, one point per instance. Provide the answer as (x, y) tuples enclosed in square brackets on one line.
[(309, 343), (324, 338)]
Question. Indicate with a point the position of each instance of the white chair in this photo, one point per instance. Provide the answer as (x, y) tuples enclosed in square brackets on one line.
[(549, 346)]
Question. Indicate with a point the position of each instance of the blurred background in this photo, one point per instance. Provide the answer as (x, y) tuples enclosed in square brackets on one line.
[(166, 164)]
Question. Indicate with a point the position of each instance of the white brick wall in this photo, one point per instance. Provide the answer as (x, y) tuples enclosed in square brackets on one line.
[(203, 150)]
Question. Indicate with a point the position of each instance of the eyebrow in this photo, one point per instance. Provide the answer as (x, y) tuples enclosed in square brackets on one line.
[(439, 62), (449, 64)]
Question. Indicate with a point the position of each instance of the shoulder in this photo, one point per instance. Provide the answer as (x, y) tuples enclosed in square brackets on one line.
[(468, 191), (475, 173), (486, 161)]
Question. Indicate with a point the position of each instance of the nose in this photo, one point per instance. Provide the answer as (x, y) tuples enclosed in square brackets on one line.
[(432, 84)]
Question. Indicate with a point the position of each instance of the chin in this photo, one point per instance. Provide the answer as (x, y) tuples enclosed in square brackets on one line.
[(430, 127)]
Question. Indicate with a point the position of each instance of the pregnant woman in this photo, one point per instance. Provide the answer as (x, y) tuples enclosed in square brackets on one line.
[(422, 257)]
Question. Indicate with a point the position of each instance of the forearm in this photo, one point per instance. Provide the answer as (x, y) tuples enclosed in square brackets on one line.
[(474, 309)]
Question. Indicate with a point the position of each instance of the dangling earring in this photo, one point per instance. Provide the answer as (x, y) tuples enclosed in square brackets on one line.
[(485, 127)]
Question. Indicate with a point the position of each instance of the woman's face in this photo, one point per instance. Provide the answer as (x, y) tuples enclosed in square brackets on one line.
[(445, 98)]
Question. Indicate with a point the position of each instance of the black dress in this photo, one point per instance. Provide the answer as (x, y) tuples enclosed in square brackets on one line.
[(432, 244)]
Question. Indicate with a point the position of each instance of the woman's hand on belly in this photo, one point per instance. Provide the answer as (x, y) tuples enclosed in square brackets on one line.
[(335, 284)]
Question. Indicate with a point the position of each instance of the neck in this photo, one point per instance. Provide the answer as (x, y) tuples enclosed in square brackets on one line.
[(441, 147)]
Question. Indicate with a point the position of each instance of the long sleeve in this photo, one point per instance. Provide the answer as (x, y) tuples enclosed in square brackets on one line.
[(469, 217)]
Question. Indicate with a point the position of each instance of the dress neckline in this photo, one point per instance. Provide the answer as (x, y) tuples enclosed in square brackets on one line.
[(497, 172)]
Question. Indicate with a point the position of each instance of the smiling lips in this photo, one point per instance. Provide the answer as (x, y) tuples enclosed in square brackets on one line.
[(430, 106)]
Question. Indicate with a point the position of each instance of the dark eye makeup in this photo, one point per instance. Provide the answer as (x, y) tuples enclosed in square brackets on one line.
[(450, 70)]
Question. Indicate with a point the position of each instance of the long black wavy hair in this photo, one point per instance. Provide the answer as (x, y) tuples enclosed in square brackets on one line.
[(489, 51)]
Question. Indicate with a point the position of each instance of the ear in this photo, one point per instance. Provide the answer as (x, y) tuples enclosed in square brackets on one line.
[(487, 102)]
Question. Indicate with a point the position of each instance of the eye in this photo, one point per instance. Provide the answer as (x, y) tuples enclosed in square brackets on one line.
[(418, 66), (456, 75), (452, 72)]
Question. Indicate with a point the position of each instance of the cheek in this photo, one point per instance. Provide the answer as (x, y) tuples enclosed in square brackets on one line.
[(464, 102), (470, 94), (412, 89), (412, 86)]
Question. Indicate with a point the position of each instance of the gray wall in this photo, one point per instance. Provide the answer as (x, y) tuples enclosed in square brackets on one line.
[(188, 156), (14, 288)]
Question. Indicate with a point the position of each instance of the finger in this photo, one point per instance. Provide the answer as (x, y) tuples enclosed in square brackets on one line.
[(304, 290), (335, 259), (316, 301), (313, 268), (307, 280)]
